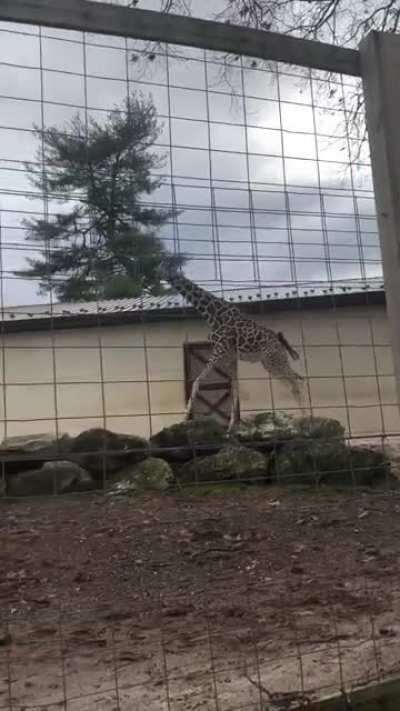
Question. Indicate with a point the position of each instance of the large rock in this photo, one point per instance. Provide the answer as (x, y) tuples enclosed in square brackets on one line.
[(319, 428), (52, 478), (26, 452), (183, 439), (265, 427), (369, 466), (329, 462), (35, 443), (102, 452), (152, 474), (316, 454), (266, 432), (200, 430), (231, 462), (390, 448)]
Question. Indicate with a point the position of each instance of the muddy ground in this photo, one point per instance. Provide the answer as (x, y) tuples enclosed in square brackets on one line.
[(254, 599)]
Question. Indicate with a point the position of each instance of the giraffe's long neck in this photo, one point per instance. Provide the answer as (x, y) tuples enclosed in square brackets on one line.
[(213, 309)]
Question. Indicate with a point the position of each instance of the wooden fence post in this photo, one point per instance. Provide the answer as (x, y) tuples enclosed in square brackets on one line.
[(380, 70)]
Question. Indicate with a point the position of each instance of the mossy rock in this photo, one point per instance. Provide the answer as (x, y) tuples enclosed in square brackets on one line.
[(368, 466), (319, 428), (230, 463), (152, 474), (103, 452), (30, 452), (183, 439), (56, 477), (265, 426), (200, 430), (329, 462)]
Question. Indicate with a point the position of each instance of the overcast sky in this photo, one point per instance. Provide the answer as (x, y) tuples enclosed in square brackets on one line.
[(267, 193)]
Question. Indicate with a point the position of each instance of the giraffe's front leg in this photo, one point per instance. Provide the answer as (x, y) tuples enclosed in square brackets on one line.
[(193, 394), (196, 387)]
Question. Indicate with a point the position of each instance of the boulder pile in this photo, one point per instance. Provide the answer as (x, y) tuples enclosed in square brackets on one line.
[(263, 449)]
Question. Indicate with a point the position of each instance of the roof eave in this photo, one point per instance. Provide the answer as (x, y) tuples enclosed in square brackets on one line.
[(319, 301)]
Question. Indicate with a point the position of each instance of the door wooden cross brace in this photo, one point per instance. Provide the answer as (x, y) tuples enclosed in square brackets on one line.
[(215, 393)]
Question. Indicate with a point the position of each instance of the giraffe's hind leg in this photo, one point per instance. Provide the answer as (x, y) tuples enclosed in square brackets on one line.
[(280, 368), (296, 384), (235, 401)]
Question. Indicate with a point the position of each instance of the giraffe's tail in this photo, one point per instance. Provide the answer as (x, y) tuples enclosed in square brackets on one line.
[(292, 352)]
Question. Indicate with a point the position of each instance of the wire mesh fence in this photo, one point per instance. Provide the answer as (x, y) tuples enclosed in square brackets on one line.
[(274, 200), (191, 566)]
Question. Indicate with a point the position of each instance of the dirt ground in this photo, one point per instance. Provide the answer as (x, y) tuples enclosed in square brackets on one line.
[(255, 599)]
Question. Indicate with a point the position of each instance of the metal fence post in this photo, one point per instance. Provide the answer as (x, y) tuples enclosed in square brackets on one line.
[(380, 68)]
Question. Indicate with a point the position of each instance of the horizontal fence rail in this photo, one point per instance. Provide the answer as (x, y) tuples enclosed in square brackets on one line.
[(111, 19)]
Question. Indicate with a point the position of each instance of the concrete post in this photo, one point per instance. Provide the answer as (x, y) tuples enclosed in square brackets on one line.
[(380, 70)]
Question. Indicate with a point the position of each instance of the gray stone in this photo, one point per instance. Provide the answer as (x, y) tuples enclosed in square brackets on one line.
[(330, 462), (31, 451), (320, 428), (232, 462), (33, 443), (180, 442), (200, 430), (151, 474), (265, 426), (52, 478), (103, 452), (390, 448)]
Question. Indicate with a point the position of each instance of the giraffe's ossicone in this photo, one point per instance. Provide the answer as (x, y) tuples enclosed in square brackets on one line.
[(235, 337)]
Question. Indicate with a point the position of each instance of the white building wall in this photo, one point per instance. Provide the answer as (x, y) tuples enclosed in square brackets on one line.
[(130, 378)]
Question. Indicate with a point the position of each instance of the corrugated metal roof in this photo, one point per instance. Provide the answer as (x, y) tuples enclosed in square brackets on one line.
[(171, 302)]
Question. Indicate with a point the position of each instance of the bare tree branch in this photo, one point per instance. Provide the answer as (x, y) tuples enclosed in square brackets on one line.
[(342, 22)]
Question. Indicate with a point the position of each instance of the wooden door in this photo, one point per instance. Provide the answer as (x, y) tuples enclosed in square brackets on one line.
[(215, 393)]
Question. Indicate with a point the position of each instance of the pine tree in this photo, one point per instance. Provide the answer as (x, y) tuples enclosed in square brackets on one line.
[(106, 244)]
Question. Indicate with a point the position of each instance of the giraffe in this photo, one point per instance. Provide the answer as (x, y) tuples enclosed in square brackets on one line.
[(234, 337)]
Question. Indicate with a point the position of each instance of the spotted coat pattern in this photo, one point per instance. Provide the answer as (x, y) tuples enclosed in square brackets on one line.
[(235, 337)]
